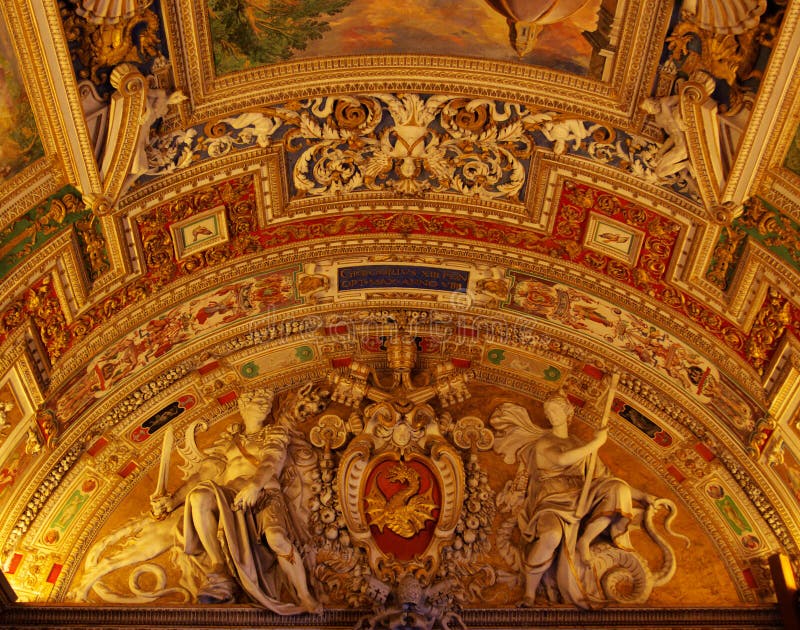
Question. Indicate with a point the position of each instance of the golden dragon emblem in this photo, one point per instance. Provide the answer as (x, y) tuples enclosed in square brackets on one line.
[(406, 512)]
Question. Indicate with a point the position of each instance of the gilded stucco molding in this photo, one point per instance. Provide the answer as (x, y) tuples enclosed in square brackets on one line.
[(59, 86), (781, 189), (171, 185), (37, 182), (553, 169), (24, 31), (126, 113), (61, 251), (16, 355), (59, 256), (780, 82), (636, 60), (120, 264)]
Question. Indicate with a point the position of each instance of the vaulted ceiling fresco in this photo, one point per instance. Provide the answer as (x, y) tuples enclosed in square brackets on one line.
[(334, 273)]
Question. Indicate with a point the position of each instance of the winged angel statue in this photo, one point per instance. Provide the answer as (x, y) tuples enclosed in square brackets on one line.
[(574, 517), (237, 522)]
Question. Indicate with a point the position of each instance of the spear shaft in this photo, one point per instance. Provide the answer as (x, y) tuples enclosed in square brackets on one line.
[(580, 510)]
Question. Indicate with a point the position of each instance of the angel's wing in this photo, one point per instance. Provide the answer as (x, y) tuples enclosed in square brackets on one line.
[(196, 462)]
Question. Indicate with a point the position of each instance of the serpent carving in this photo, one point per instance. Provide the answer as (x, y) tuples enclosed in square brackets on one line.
[(405, 512)]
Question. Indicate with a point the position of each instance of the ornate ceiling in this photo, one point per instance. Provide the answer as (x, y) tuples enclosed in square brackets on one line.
[(200, 199)]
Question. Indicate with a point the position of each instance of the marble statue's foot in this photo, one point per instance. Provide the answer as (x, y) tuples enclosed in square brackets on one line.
[(623, 541), (584, 551), (311, 605), (527, 602), (219, 588)]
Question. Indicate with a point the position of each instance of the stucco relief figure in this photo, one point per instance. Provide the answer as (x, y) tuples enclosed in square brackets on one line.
[(673, 156), (568, 541), (240, 519)]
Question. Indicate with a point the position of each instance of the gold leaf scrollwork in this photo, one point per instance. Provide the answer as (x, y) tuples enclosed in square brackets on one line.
[(330, 432), (99, 46), (472, 119), (470, 433), (768, 328)]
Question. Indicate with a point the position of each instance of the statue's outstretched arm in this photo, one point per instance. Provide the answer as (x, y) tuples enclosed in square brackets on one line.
[(574, 455)]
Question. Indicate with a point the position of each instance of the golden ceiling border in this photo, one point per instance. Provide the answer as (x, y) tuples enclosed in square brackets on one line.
[(331, 247), (780, 186), (757, 152), (47, 174), (35, 183), (59, 256), (53, 90), (24, 35), (783, 191), (635, 67), (120, 263)]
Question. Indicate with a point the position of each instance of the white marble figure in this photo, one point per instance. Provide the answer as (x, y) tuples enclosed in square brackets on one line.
[(673, 156), (239, 518), (555, 539), (566, 133)]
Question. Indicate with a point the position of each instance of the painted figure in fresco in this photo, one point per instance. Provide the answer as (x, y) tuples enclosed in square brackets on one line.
[(555, 464), (527, 18), (240, 518)]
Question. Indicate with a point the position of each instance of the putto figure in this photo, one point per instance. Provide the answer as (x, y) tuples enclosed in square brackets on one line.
[(565, 505), (244, 507)]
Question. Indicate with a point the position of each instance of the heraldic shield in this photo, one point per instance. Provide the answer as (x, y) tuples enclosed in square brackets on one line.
[(402, 486), (402, 503)]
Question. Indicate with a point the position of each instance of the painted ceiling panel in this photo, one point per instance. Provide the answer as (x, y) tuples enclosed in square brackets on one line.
[(383, 248), (21, 144)]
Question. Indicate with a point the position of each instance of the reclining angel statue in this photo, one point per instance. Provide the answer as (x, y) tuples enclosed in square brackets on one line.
[(240, 515), (570, 539)]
